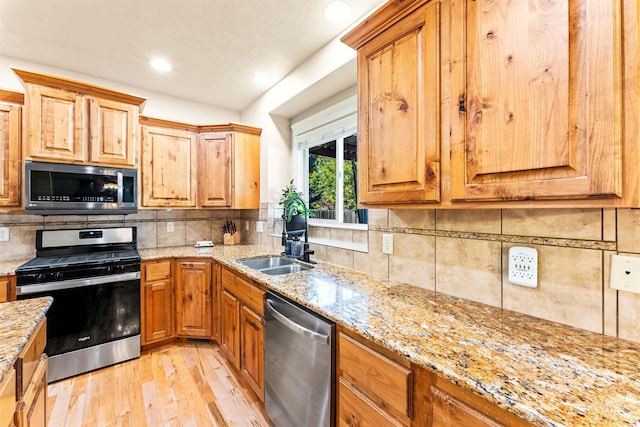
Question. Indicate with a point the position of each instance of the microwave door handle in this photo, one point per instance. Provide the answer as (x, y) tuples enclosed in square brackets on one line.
[(120, 188)]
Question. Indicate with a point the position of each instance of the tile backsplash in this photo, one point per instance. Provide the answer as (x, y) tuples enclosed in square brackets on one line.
[(464, 253), (189, 226)]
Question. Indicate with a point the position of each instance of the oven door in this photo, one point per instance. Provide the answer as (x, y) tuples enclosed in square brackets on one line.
[(89, 312)]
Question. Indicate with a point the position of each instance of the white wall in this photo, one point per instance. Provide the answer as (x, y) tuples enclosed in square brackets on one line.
[(329, 71), (158, 105)]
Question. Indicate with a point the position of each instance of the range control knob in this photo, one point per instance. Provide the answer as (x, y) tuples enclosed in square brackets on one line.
[(41, 277), (120, 269), (58, 275), (109, 269)]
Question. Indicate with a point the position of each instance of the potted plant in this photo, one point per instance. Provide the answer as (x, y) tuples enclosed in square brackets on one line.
[(294, 209)]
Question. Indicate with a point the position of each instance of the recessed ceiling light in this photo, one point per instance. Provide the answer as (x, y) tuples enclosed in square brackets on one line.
[(337, 10), (161, 64)]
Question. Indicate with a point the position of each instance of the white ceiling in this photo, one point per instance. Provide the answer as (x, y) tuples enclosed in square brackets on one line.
[(215, 46)]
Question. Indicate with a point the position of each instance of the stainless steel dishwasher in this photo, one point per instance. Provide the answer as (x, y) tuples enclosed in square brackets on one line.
[(299, 359)]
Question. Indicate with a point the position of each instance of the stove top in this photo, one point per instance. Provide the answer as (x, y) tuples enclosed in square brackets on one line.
[(87, 259)]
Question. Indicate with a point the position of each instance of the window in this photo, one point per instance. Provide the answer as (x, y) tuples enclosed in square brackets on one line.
[(326, 164), (331, 180)]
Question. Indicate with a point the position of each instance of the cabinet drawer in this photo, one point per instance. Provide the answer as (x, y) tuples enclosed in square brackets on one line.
[(382, 380), (157, 271), (30, 356), (245, 291), (8, 398), (354, 409)]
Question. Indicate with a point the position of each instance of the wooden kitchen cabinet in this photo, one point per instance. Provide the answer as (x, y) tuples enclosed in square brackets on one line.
[(73, 122), (10, 148), (8, 399), (229, 166), (168, 164), (477, 103), (216, 294), (440, 403), (243, 328), (193, 298), (31, 381), (535, 104), (7, 288), (398, 108), (157, 310), (230, 331), (374, 387)]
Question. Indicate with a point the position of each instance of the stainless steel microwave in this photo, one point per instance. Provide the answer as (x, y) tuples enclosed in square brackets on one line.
[(57, 188)]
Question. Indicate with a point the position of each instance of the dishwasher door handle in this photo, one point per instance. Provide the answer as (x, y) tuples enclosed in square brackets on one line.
[(321, 338)]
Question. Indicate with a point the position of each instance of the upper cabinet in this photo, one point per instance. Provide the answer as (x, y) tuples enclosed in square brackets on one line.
[(398, 109), (10, 144), (69, 121), (535, 102), (215, 166), (478, 103), (168, 164), (229, 166)]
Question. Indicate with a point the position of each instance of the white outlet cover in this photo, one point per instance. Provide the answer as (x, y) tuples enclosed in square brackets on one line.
[(387, 244), (259, 226), (523, 266), (625, 273)]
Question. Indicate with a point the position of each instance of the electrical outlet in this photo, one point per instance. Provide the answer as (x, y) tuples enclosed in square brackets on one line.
[(523, 266), (387, 244), (625, 273), (170, 227), (4, 234), (259, 227)]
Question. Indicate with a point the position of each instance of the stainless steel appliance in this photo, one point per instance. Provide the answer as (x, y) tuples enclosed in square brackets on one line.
[(299, 365), (56, 188), (93, 276)]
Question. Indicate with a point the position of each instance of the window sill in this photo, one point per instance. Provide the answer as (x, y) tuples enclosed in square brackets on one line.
[(358, 247), (333, 224)]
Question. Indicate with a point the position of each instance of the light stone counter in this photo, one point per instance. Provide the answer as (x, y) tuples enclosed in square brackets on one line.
[(18, 321), (544, 372)]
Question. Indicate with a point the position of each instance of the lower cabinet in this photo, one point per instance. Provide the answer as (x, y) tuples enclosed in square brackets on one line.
[(31, 381), (157, 310), (373, 388), (8, 399), (7, 286), (194, 298), (242, 329)]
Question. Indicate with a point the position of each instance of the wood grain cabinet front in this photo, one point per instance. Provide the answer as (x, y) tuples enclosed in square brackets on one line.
[(373, 388), (398, 109), (8, 399), (157, 311), (194, 298), (168, 166), (10, 148), (243, 328), (73, 122), (478, 103), (229, 166)]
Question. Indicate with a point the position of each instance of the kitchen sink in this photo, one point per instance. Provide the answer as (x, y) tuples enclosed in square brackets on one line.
[(274, 265)]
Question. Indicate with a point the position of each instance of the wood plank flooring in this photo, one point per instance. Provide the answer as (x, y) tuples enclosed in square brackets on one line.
[(186, 384)]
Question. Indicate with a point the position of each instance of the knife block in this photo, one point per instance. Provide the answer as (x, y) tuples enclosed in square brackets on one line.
[(231, 239)]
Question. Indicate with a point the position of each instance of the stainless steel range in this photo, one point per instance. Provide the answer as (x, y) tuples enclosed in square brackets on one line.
[(93, 276)]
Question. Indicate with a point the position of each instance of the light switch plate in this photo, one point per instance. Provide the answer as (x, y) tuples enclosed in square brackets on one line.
[(625, 273), (4, 234)]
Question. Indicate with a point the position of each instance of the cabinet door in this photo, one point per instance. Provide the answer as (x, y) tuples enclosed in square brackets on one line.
[(10, 146), (6, 285), (112, 132), (252, 350), (214, 169), (168, 165), (398, 121), (449, 411), (32, 408), (355, 409), (157, 302), (55, 124), (534, 105), (230, 334), (216, 303), (193, 301)]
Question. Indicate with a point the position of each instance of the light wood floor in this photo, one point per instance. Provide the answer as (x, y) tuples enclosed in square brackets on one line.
[(187, 384)]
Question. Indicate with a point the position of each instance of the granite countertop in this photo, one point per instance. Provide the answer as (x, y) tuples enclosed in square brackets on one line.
[(18, 321), (544, 372)]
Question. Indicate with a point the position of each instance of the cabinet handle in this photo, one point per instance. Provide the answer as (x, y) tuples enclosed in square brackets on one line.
[(461, 108)]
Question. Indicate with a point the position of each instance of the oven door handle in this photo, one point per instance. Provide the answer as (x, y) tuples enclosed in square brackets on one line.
[(321, 338), (76, 283)]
